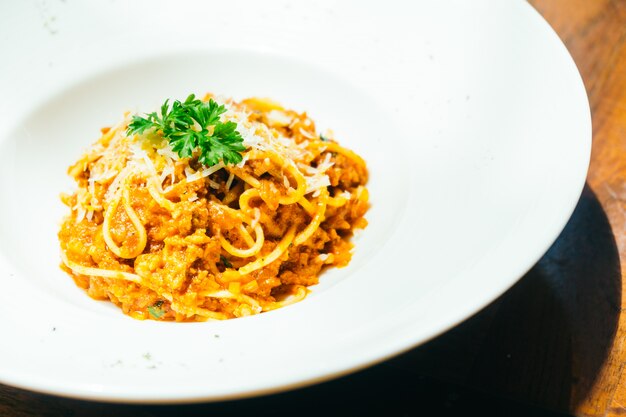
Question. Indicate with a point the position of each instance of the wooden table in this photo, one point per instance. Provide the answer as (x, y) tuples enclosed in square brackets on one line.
[(552, 344)]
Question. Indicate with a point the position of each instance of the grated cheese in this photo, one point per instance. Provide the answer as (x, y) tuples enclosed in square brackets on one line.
[(195, 176), (140, 156), (229, 182), (306, 134), (278, 118)]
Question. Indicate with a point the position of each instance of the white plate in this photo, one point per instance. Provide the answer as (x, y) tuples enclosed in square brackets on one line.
[(471, 115)]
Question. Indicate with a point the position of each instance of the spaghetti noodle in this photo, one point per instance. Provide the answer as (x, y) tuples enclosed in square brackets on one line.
[(167, 238)]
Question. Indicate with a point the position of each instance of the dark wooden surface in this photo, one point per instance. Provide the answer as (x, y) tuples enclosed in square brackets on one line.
[(552, 344)]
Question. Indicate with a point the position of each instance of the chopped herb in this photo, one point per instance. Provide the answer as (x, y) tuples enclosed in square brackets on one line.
[(323, 138), (225, 261), (194, 125), (155, 309), (157, 313)]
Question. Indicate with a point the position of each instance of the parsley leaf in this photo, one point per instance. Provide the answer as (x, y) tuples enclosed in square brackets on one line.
[(225, 261), (155, 310), (194, 125)]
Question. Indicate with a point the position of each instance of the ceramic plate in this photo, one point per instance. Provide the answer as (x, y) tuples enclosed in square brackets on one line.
[(472, 118)]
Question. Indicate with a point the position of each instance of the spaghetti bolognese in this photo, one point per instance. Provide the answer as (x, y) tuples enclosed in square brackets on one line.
[(236, 215)]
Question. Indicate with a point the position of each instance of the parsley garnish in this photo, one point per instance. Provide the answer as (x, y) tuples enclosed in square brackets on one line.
[(194, 124), (225, 261), (155, 309)]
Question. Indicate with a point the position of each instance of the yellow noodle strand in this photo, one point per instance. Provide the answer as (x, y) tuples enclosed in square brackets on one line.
[(159, 198), (245, 197), (244, 176), (338, 201), (232, 275), (134, 219), (98, 272), (335, 147), (301, 292), (245, 253), (315, 222), (246, 235), (307, 206), (202, 312)]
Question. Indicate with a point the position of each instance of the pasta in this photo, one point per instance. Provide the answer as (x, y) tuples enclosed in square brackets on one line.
[(168, 238)]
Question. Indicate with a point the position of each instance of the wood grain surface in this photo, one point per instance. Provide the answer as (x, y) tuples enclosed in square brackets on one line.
[(595, 34), (552, 345)]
